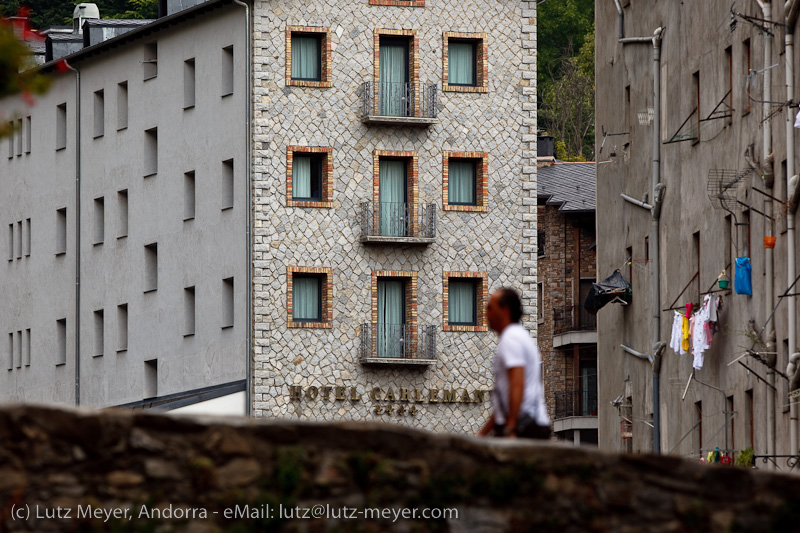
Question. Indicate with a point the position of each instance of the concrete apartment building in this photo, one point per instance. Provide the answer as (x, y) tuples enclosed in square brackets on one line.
[(567, 333), (391, 187), (701, 89)]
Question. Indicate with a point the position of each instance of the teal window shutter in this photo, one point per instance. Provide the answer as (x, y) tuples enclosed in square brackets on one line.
[(306, 64), (461, 303), (461, 184), (461, 63)]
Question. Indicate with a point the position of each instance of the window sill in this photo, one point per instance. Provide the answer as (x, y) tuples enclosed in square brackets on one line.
[(58, 253), (229, 326), (464, 88), (465, 328), (58, 364), (227, 208), (150, 77), (97, 355), (188, 107), (187, 219), (122, 237), (98, 136), (123, 128), (97, 243), (306, 83), (398, 3), (122, 350), (309, 203), (226, 94), (466, 208), (57, 149), (150, 175), (310, 325), (150, 290), (186, 335)]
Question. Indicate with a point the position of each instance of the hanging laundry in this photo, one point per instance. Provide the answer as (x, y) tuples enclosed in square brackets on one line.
[(797, 120), (698, 340), (676, 340), (686, 331)]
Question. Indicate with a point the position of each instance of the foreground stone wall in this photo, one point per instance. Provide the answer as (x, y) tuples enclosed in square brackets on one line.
[(151, 467)]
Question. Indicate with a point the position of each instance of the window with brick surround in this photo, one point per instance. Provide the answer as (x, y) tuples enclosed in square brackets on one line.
[(398, 3), (308, 56), (396, 72), (394, 312), (465, 62), (465, 184), (465, 298), (395, 191), (309, 171), (309, 297)]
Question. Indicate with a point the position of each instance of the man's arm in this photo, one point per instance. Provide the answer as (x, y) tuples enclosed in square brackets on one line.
[(516, 386), (487, 427)]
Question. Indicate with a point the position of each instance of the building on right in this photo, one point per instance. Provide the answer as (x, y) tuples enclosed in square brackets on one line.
[(696, 108)]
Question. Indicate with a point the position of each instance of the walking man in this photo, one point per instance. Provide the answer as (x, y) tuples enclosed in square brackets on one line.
[(518, 408)]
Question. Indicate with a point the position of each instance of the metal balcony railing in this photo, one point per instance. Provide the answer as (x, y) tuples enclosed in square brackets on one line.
[(579, 399), (391, 99), (573, 318), (400, 220), (397, 343)]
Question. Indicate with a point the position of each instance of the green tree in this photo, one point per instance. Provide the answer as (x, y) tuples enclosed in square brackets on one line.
[(45, 13), (562, 26)]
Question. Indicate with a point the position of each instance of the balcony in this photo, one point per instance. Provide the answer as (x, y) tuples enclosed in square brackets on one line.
[(576, 406), (398, 223), (573, 324), (397, 344), (405, 104)]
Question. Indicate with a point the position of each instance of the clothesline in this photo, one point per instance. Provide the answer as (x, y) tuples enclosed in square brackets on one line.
[(710, 290)]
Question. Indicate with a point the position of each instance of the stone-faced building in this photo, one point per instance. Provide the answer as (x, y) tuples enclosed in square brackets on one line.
[(567, 333), (382, 188)]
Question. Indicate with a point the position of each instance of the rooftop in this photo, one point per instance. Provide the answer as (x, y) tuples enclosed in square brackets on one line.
[(570, 186)]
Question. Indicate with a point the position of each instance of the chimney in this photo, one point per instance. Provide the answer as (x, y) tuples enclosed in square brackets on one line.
[(81, 13), (545, 146)]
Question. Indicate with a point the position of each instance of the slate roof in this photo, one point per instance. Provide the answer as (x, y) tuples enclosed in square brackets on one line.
[(570, 186)]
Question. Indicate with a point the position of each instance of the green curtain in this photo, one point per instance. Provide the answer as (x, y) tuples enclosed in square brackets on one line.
[(391, 197), (305, 298), (461, 182), (392, 79), (391, 317), (461, 305), (461, 63), (301, 176), (305, 58)]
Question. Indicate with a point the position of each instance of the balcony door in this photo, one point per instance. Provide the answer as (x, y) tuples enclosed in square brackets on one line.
[(588, 370), (392, 200), (393, 87), (390, 329)]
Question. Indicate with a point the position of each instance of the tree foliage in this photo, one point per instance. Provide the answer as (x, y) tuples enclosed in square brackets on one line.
[(45, 13)]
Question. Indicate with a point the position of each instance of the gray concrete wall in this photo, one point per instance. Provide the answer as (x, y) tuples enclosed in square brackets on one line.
[(695, 39)]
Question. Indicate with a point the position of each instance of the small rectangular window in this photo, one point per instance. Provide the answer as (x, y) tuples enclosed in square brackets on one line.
[(540, 302), (306, 57), (151, 378), (188, 83), (122, 327), (19, 349), (99, 333), (28, 134), (61, 231), (188, 195), (19, 240), (150, 61), (150, 152), (122, 207), (27, 237), (748, 86), (99, 220), (189, 311), (10, 356), (227, 70), (27, 360), (696, 83), (227, 184), (61, 126), (729, 80), (11, 140), (307, 173), (20, 132), (462, 295), (11, 242), (61, 341), (227, 303), (541, 242), (151, 267), (99, 114), (122, 105), (306, 298), (462, 182), (462, 63)]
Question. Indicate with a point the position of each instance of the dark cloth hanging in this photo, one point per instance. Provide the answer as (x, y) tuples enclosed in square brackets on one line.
[(613, 289)]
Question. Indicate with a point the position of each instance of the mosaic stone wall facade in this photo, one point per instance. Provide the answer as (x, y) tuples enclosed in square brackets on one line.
[(315, 373)]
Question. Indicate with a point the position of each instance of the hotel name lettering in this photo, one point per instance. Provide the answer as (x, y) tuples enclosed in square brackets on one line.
[(400, 401)]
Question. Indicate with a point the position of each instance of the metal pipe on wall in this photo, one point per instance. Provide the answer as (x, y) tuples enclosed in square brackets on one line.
[(790, 223)]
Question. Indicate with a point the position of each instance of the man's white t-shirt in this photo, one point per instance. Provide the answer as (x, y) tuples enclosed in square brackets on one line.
[(515, 349)]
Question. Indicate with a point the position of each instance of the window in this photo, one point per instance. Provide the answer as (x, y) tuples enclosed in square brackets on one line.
[(11, 140), (227, 303), (122, 105), (465, 181), (731, 419), (540, 302), (122, 207), (227, 70), (227, 184), (398, 3), (150, 61), (61, 127), (27, 245), (150, 152), (394, 316), (698, 419), (465, 65), (61, 341), (10, 356), (394, 192), (188, 196), (99, 220), (19, 240), (749, 417), (20, 133), (61, 231), (747, 79), (189, 311), (99, 333), (541, 242), (309, 297), (151, 267), (122, 327), (150, 378), (19, 349), (99, 114), (11, 242), (27, 348), (396, 75), (465, 298), (696, 253), (729, 80), (188, 83), (308, 176), (696, 83), (308, 56)]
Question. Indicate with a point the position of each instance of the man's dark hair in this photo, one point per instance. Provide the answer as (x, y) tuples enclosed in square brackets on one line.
[(509, 298)]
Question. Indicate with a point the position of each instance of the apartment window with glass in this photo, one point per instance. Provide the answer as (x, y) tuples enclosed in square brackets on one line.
[(395, 90), (465, 181), (308, 56), (393, 213), (462, 186), (308, 176), (465, 297), (309, 297), (465, 62)]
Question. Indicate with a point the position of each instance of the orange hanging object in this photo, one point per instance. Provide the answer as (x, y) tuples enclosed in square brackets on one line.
[(769, 242)]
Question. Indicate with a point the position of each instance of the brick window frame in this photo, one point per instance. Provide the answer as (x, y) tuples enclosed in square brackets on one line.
[(325, 56), (410, 279), (481, 60), (412, 182), (481, 187), (327, 176), (482, 298), (326, 296), (413, 62), (398, 3)]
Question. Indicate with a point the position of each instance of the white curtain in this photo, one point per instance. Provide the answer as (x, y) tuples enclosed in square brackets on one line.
[(305, 298), (305, 57), (391, 318), (391, 197), (461, 63), (461, 182), (301, 176), (392, 79), (461, 304)]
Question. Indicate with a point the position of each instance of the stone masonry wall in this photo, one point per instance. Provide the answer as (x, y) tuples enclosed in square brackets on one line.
[(322, 363)]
